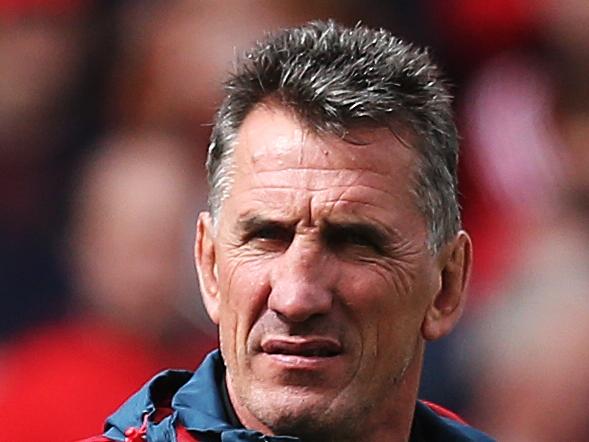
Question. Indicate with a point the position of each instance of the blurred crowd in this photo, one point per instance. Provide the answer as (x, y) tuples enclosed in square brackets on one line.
[(105, 112)]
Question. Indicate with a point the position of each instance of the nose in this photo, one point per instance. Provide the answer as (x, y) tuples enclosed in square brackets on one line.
[(301, 283)]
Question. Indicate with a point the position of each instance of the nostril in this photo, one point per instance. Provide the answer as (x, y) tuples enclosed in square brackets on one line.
[(299, 301)]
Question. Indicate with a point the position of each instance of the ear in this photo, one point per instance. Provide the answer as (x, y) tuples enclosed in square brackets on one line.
[(206, 265), (455, 260)]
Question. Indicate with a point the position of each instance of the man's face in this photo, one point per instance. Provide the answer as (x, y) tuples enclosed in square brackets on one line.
[(323, 275)]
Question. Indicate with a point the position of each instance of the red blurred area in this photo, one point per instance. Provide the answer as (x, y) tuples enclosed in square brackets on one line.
[(70, 377)]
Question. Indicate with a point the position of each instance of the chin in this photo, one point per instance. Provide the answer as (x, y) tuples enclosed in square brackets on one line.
[(303, 412)]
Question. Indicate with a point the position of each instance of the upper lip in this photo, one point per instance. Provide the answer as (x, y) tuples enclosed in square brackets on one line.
[(302, 346)]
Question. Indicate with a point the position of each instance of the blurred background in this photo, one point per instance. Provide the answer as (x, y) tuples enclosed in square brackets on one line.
[(105, 112)]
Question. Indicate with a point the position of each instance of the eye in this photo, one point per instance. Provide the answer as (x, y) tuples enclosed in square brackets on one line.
[(273, 237), (341, 238), (272, 233)]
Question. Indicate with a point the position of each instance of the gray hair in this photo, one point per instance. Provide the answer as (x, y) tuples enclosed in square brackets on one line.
[(336, 78)]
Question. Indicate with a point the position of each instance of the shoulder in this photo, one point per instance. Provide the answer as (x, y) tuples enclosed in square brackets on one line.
[(166, 403), (435, 423), (150, 404)]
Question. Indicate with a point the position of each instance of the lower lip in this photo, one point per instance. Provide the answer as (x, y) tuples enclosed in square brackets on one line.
[(302, 362)]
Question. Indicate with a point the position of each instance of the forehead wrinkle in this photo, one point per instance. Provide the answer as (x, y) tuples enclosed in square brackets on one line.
[(346, 198), (269, 209), (329, 195), (331, 201), (314, 189), (333, 168), (280, 167), (351, 201), (296, 152), (272, 167), (371, 180), (348, 206)]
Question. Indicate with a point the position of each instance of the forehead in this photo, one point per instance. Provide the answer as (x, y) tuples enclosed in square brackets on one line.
[(284, 169), (273, 138)]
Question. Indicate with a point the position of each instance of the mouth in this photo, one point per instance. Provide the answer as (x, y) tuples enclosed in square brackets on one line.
[(307, 347)]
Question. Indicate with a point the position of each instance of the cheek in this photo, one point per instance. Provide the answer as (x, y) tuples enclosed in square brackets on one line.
[(246, 285), (387, 310), (370, 291), (372, 304), (243, 287)]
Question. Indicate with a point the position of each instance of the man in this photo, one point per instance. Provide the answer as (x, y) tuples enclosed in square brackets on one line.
[(331, 252)]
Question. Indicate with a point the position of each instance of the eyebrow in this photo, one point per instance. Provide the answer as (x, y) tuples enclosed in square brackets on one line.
[(374, 233), (256, 222), (377, 236), (368, 230)]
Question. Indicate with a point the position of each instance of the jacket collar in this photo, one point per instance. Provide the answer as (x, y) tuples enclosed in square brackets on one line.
[(200, 407), (144, 402), (196, 400), (197, 403)]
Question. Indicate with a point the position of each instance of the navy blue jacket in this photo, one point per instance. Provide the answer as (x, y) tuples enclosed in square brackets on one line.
[(196, 403)]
